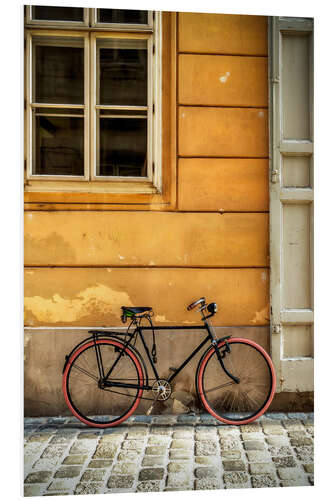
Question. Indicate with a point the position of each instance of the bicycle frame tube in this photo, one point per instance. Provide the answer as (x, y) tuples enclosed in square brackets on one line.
[(139, 329)]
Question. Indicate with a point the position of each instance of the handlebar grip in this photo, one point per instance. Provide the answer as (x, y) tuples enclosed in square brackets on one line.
[(196, 303)]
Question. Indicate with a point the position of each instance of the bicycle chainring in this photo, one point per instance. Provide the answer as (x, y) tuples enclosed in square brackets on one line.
[(161, 390)]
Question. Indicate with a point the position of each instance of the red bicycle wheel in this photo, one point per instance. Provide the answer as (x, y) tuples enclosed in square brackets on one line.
[(229, 401), (84, 395)]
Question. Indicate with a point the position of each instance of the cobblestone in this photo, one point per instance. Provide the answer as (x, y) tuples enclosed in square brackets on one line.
[(167, 453)]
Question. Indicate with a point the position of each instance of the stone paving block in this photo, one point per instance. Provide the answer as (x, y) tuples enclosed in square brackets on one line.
[(254, 445), (180, 454), (207, 484), (263, 481), (275, 430), (203, 448), (297, 416), (56, 451), (120, 482), (202, 472), (309, 468), (128, 456), (235, 477), (293, 473), (149, 474), (178, 467), (261, 468), (60, 485), (187, 419), (111, 439), (105, 451), (280, 451), (61, 439), (228, 430), (183, 444), (119, 429), (88, 435), (203, 436), (149, 461), (156, 450), (83, 447), (252, 436), (133, 444), (254, 427), (165, 420), (208, 460), (39, 438), (311, 479), (75, 459), (39, 477), (301, 441), (143, 418), (161, 430), (91, 488), (230, 444), (125, 468), (293, 425), (276, 415), (99, 464), (149, 486), (258, 456), (183, 434), (46, 463), (277, 441), (33, 490), (284, 461), (137, 432), (233, 465), (297, 434), (178, 479), (207, 419), (159, 440), (68, 471), (93, 475), (231, 454), (290, 482)]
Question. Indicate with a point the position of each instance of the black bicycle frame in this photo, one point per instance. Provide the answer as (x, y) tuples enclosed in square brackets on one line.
[(139, 330)]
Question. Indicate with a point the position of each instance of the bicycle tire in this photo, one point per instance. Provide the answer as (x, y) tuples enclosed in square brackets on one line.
[(90, 403), (231, 402)]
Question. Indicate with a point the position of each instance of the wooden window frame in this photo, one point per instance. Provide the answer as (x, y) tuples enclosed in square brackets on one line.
[(159, 191)]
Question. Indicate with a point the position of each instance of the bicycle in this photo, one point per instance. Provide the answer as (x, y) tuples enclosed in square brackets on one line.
[(235, 377)]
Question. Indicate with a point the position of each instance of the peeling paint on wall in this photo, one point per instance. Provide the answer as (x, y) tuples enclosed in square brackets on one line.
[(261, 316), (98, 299)]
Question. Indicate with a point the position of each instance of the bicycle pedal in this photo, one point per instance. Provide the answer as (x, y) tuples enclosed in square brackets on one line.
[(172, 369)]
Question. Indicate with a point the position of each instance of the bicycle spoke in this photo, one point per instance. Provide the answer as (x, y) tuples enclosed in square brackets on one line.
[(85, 372)]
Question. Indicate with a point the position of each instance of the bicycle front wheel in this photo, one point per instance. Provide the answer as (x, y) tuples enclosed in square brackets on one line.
[(87, 399), (229, 401)]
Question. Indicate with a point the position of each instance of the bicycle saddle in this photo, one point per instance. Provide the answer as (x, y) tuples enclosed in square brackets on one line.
[(135, 310)]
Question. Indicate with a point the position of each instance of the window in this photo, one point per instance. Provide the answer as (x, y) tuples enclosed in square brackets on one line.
[(93, 100)]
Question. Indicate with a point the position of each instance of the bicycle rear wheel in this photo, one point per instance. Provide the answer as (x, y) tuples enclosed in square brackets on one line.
[(86, 399), (231, 402)]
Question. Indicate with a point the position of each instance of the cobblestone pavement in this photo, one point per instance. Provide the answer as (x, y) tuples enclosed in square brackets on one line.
[(166, 453)]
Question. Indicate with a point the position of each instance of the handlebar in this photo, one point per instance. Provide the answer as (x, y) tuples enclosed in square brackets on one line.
[(196, 303)]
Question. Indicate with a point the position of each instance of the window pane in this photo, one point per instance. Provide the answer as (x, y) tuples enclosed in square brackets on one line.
[(122, 16), (123, 147), (57, 13), (59, 73), (123, 72), (59, 146)]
